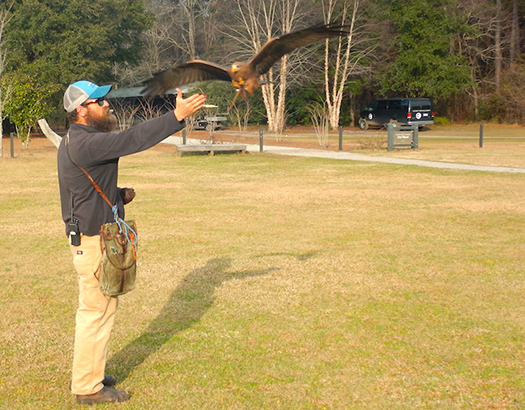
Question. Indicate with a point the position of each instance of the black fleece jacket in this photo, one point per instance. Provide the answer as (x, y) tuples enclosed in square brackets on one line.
[(98, 153)]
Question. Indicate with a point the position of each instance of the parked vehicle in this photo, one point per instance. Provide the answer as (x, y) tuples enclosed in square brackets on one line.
[(210, 119), (406, 111), (211, 123)]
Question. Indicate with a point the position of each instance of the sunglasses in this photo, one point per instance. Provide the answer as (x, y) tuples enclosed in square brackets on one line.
[(99, 101)]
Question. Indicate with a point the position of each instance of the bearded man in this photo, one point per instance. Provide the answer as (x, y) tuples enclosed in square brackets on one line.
[(92, 145)]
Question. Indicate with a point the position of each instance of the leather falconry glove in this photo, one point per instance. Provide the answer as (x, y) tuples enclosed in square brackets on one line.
[(127, 195)]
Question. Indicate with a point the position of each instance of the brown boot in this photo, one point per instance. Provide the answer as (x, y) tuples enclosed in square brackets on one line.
[(106, 395), (109, 380)]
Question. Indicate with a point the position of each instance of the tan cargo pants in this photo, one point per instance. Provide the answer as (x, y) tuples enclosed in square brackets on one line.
[(94, 319)]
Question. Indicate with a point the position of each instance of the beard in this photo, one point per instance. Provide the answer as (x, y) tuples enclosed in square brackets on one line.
[(106, 122)]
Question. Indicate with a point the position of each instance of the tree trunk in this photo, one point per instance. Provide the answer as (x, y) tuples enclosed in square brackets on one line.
[(335, 84), (5, 16), (259, 19), (1, 133), (515, 34), (280, 113), (192, 51), (498, 49), (475, 101)]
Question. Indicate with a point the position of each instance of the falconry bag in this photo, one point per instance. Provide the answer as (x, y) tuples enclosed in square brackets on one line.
[(118, 243), (118, 265)]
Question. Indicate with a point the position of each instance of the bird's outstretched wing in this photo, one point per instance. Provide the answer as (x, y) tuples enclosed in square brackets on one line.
[(277, 47), (187, 73)]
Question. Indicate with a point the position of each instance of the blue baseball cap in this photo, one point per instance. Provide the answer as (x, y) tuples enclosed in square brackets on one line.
[(81, 91)]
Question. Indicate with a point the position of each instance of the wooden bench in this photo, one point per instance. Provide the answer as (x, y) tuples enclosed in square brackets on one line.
[(210, 149)]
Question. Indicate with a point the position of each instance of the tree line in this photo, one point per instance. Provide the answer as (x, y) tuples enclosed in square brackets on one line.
[(466, 55)]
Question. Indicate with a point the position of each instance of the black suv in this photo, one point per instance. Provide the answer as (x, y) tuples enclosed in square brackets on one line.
[(407, 111)]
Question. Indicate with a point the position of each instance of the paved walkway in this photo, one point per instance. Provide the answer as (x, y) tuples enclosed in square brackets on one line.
[(341, 155)]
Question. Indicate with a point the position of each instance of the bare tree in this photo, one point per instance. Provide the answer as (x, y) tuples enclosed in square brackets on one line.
[(320, 116), (148, 109), (180, 24), (176, 25), (498, 61), (240, 114), (125, 112), (157, 55), (483, 44), (260, 20), (5, 88), (339, 66), (181, 31), (515, 33)]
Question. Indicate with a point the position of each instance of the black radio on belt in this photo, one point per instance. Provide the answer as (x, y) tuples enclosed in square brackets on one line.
[(74, 233)]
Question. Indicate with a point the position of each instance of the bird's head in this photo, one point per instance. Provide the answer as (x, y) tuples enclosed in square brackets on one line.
[(236, 67)]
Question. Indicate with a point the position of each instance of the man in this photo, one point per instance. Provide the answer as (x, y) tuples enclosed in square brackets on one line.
[(92, 146)]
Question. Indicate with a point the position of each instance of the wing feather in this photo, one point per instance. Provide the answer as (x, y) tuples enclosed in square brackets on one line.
[(182, 74), (277, 47)]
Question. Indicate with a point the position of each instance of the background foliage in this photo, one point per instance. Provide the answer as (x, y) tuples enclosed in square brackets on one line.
[(60, 41), (422, 63), (466, 56), (27, 104)]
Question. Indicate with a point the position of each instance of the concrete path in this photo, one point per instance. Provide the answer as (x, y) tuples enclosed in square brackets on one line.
[(341, 155)]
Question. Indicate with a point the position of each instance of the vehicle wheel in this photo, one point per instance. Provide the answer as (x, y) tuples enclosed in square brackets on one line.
[(363, 124)]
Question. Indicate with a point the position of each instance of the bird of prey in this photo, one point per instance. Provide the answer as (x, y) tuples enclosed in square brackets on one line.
[(244, 76)]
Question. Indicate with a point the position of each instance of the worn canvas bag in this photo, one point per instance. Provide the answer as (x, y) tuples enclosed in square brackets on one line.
[(118, 266)]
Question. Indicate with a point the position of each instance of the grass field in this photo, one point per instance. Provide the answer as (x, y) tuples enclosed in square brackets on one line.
[(270, 282)]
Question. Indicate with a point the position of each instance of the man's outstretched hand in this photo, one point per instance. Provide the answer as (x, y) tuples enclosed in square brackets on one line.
[(186, 107)]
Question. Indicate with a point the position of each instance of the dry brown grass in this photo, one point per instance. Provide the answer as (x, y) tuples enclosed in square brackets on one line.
[(271, 282)]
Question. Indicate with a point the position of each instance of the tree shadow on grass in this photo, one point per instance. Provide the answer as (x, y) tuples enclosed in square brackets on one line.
[(186, 305)]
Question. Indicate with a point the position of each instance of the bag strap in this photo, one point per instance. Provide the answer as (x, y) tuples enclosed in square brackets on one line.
[(128, 231)]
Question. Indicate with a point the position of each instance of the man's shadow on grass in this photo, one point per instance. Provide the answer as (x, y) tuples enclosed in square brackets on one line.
[(186, 305)]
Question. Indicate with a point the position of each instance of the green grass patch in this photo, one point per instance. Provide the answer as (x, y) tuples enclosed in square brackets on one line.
[(269, 282)]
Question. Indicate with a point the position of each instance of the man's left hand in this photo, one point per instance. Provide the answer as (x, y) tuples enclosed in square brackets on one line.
[(185, 107), (127, 195)]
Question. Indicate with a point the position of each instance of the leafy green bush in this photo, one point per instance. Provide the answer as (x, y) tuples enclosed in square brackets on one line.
[(441, 121)]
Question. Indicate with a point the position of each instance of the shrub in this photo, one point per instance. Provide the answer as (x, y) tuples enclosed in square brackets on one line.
[(441, 121)]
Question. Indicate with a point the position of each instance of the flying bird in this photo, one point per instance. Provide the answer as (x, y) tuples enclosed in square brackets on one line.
[(244, 76)]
